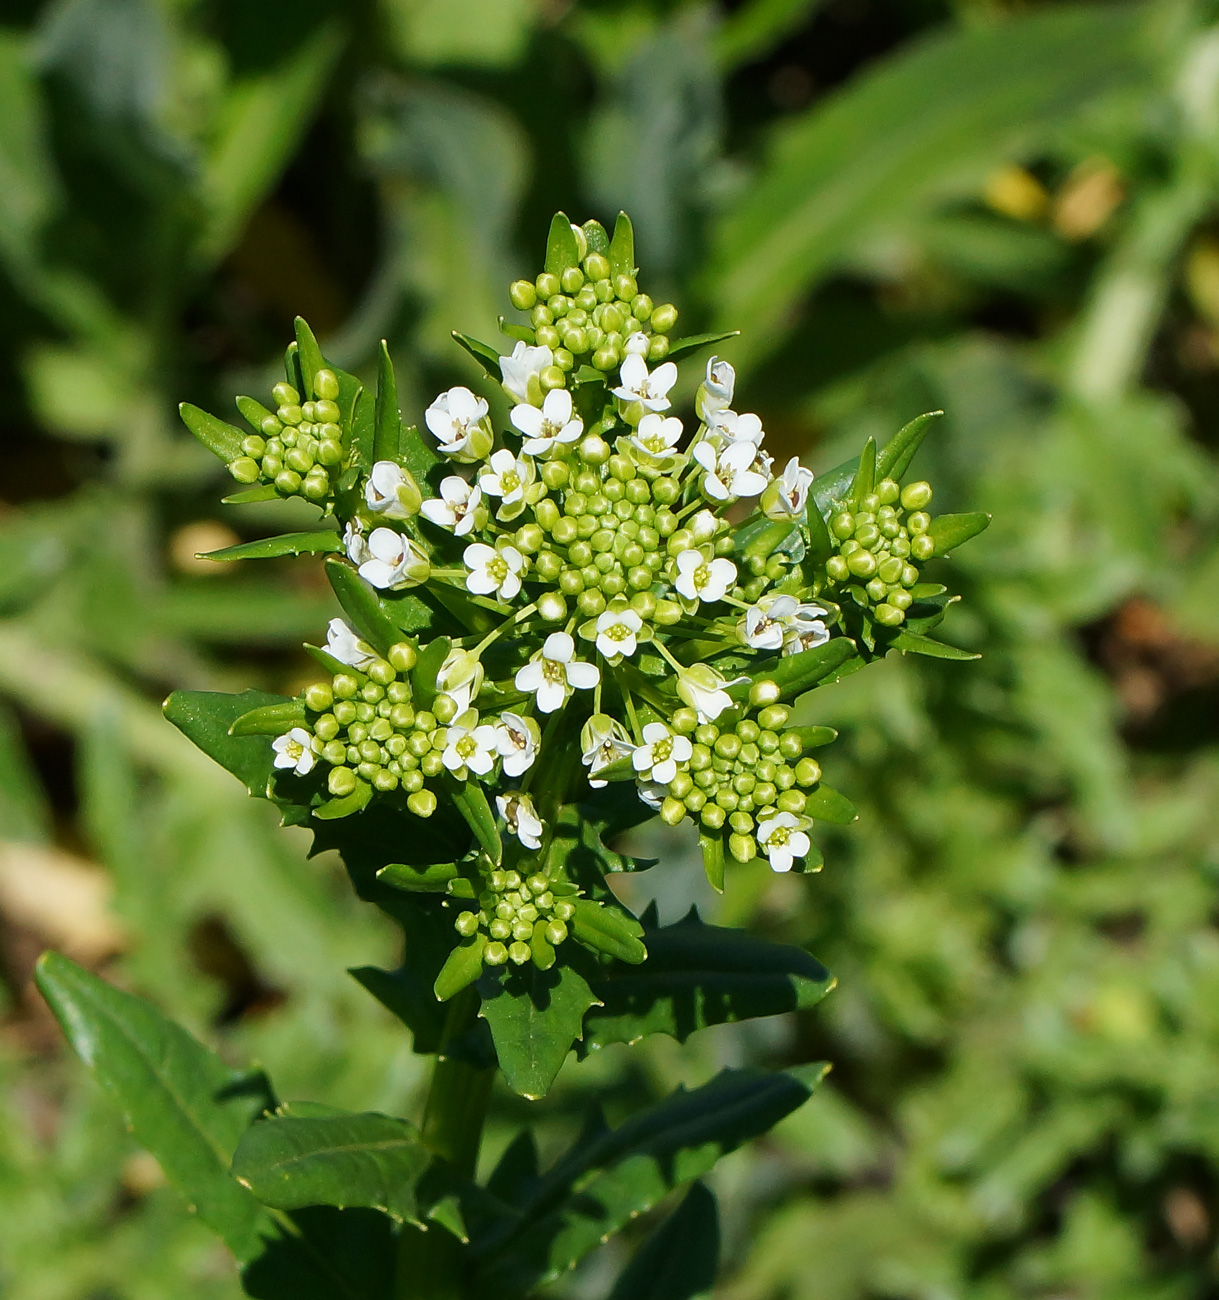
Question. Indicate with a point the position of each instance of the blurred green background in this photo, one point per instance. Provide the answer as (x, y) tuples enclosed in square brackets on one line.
[(1006, 210)]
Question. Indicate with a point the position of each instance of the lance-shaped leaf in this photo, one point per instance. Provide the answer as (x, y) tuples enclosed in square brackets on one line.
[(309, 355), (598, 239), (387, 417), (814, 737), (521, 333), (369, 614), (369, 1160), (562, 250), (331, 1255), (865, 475), (680, 1260), (609, 929), (924, 645), (612, 1176), (221, 439), (622, 247), (463, 966), (949, 531), (181, 1101), (248, 496), (205, 717), (270, 719), (827, 805), (535, 1016), (254, 412), (345, 805), (269, 548), (698, 975), (800, 672), (684, 347), (712, 848), (895, 456), (483, 353), (432, 879), (470, 799)]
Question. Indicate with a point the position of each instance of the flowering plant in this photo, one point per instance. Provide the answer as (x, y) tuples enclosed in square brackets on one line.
[(552, 631)]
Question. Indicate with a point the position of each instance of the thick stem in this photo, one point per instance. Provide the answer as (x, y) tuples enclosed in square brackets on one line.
[(431, 1264)]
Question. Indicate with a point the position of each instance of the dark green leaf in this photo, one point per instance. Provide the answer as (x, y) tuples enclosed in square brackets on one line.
[(432, 879), (522, 333), (608, 928), (423, 675), (181, 1101), (254, 412), (712, 847), (815, 737), (463, 966), (387, 418), (698, 975), (535, 1016), (923, 645), (684, 347), (622, 247), (270, 719), (865, 476), (797, 673), (470, 799), (346, 805), (205, 717), (681, 1259), (268, 548), (221, 439), (562, 250), (251, 495), (370, 615), (332, 1255), (368, 1160), (949, 531), (483, 353), (827, 805), (895, 456)]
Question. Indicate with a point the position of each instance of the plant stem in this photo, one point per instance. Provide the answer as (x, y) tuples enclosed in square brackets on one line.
[(431, 1264)]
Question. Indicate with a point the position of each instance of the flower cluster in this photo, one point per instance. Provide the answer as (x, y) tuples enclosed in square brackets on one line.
[(523, 920)]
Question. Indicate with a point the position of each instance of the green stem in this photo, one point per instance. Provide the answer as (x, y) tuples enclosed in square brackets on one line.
[(431, 1264)]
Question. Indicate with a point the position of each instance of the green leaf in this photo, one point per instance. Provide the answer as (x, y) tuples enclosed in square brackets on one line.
[(684, 347), (895, 456), (205, 717), (270, 719), (370, 615), (268, 548), (249, 496), (608, 928), (795, 674), (562, 250), (463, 966), (712, 847), (535, 1016), (309, 355), (611, 1176), (423, 675), (470, 800), (924, 645), (483, 353), (433, 879), (864, 481), (520, 333), (254, 412), (950, 531), (346, 805), (680, 1260), (827, 805), (181, 1101), (221, 439), (598, 240), (929, 121), (814, 737), (622, 247), (698, 975), (369, 1160), (331, 1255), (387, 417)]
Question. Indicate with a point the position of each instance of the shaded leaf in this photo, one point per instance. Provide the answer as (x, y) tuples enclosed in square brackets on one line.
[(205, 717), (483, 353), (924, 645), (681, 1258), (220, 438)]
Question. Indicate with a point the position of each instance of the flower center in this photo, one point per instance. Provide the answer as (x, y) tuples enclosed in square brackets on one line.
[(467, 747), (510, 481), (702, 576), (778, 837), (661, 750), (553, 671), (498, 568), (618, 632)]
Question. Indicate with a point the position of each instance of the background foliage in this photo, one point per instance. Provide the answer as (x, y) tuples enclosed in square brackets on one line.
[(1005, 211)]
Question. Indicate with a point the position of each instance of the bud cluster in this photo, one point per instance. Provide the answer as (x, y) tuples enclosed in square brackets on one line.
[(299, 448), (523, 919), (879, 547)]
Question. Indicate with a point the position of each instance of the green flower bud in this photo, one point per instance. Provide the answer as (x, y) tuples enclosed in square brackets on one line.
[(590, 602), (668, 613), (641, 307), (790, 745), (625, 287), (918, 522), (597, 267), (595, 450), (727, 745), (712, 816), (547, 285), (245, 469), (664, 317), (326, 727), (922, 547), (341, 781), (658, 347), (522, 294), (571, 280), (495, 954), (900, 599), (466, 923), (672, 811), (743, 848), (422, 803), (288, 482), (319, 697), (808, 772), (605, 359), (916, 496), (292, 415), (877, 590), (285, 395), (552, 376), (791, 801), (862, 564), (764, 692), (889, 615)]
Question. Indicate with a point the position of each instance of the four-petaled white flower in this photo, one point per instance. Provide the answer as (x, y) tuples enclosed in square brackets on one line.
[(506, 477), (701, 579), (657, 437), (394, 561), (661, 753), (456, 507), (556, 672), (456, 421), (493, 571), (521, 818), (651, 390), (343, 644), (517, 740), (525, 364), (715, 392), (738, 428), (705, 690), (783, 840), (603, 741), (295, 750), (471, 744), (392, 492), (461, 677), (555, 424), (617, 631), (741, 469), (787, 495), (806, 629)]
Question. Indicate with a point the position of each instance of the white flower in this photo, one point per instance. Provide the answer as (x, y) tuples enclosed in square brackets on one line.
[(555, 423), (658, 758), (603, 741), (493, 571), (617, 631), (394, 561), (738, 428), (507, 477), (637, 385), (657, 437), (703, 526), (715, 392), (525, 364), (343, 644), (517, 740), (637, 342), (806, 629), (355, 544), (468, 744), (392, 492), (455, 419), (739, 470), (456, 506), (295, 750), (521, 818), (705, 690), (787, 495), (556, 672), (700, 579), (652, 793), (461, 678), (782, 840)]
